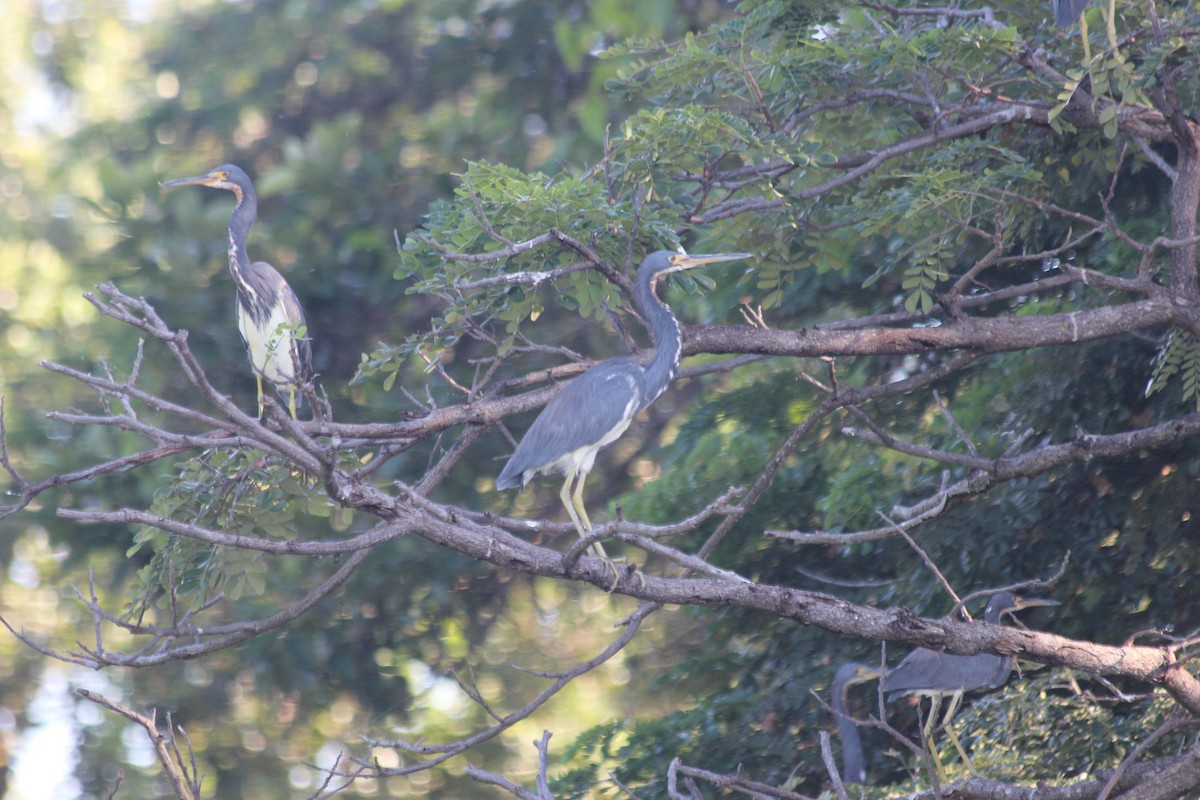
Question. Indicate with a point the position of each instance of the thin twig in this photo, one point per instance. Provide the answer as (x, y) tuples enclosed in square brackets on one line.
[(172, 766), (1168, 726), (736, 782), (439, 753), (831, 767), (928, 562), (543, 783), (953, 423)]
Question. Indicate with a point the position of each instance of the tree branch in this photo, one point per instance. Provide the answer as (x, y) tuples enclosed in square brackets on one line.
[(185, 784)]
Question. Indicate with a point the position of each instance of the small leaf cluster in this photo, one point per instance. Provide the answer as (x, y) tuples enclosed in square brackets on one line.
[(626, 206), (237, 491), (1179, 355)]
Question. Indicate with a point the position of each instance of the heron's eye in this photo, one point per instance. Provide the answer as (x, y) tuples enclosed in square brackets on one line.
[(222, 175)]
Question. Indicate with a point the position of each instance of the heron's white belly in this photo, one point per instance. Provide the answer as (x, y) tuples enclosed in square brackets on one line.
[(273, 352), (581, 459)]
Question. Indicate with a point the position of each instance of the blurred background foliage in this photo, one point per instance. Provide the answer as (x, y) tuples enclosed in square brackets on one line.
[(366, 122)]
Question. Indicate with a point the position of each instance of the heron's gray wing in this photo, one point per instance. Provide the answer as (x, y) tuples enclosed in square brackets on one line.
[(291, 307), (260, 292), (911, 674), (925, 671), (269, 288), (587, 410)]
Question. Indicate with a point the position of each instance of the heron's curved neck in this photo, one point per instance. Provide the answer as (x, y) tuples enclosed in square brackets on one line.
[(244, 214), (665, 328)]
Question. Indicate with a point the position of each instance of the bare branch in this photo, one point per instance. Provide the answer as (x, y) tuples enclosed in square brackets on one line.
[(331, 772), (953, 423), (524, 277), (736, 782), (830, 404), (977, 334), (831, 767), (673, 783), (1011, 467), (489, 257), (492, 779), (188, 640), (185, 787), (116, 784), (543, 783), (1170, 725), (937, 573), (130, 516), (440, 753)]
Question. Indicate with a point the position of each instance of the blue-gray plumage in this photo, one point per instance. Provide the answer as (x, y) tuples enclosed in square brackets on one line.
[(927, 672), (269, 315), (854, 769), (1067, 11), (594, 409), (937, 675)]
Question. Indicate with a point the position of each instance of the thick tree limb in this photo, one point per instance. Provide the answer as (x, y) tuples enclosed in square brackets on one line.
[(1152, 664), (976, 334)]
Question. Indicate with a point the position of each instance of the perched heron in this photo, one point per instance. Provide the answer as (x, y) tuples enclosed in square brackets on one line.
[(593, 410), (854, 768), (269, 316), (937, 675)]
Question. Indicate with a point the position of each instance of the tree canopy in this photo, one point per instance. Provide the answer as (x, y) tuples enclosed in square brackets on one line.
[(963, 358)]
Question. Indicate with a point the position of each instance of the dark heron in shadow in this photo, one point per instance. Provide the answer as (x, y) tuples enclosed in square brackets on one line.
[(938, 675), (269, 316), (1066, 12), (854, 769), (593, 410)]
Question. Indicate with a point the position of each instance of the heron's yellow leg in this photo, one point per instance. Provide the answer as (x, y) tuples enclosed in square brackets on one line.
[(581, 510), (962, 753), (927, 731), (565, 496), (935, 703), (577, 501), (947, 721), (292, 400), (574, 503), (258, 378)]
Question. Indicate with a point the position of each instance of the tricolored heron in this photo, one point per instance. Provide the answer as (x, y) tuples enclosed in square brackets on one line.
[(593, 410), (937, 675), (854, 769), (269, 316)]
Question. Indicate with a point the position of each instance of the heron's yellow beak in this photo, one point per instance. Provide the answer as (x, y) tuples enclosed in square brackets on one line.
[(686, 261), (207, 179), (1033, 602)]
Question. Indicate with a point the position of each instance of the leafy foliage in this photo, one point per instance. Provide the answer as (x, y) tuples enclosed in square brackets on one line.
[(1179, 355), (234, 491)]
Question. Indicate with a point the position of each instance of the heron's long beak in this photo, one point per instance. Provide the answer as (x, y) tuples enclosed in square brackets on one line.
[(686, 261), (201, 180), (1033, 602)]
